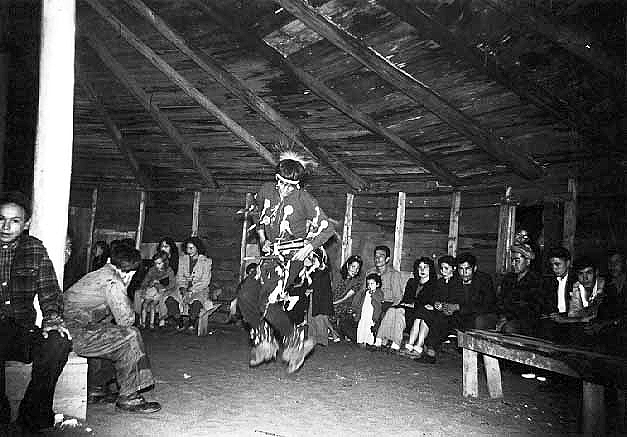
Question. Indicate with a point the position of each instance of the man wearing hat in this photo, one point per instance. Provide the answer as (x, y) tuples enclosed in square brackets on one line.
[(520, 302)]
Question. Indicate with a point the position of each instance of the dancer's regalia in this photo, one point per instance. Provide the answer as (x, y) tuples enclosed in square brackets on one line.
[(290, 225)]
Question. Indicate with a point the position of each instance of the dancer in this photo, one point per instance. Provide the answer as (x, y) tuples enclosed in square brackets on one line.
[(290, 225)]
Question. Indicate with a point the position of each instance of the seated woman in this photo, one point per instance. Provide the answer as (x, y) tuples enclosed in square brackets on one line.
[(158, 282), (167, 245), (349, 284), (419, 292)]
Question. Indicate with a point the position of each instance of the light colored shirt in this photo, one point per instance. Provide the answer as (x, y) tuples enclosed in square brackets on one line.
[(392, 284), (561, 293)]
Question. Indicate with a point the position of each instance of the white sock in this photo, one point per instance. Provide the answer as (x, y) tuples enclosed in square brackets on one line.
[(409, 347), (395, 346), (378, 342)]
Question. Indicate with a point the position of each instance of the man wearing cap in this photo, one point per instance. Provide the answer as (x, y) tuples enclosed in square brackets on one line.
[(520, 301), (25, 272)]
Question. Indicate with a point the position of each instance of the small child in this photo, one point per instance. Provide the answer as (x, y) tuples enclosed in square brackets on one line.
[(368, 309)]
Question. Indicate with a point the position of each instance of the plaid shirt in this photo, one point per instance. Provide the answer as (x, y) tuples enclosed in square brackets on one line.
[(28, 271)]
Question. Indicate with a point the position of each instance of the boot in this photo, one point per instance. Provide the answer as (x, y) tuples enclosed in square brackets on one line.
[(296, 350), (265, 346)]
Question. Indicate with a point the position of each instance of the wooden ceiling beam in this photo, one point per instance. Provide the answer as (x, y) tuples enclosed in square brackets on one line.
[(484, 138), (579, 43), (183, 83), (248, 96), (114, 132), (126, 79), (421, 20), (329, 95)]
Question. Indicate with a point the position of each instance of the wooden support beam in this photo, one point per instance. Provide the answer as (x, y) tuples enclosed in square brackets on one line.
[(140, 221), (55, 121), (427, 25), (329, 95), (183, 83), (399, 231), (243, 245), (114, 132), (470, 374), (125, 78), (570, 218), (579, 43), (347, 231), (248, 96), (507, 228), (195, 213), (453, 227), (92, 225), (416, 90), (592, 409)]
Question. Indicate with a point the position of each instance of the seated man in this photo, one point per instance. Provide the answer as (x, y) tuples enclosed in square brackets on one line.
[(558, 287), (587, 292), (91, 307), (520, 302), (26, 272), (478, 309)]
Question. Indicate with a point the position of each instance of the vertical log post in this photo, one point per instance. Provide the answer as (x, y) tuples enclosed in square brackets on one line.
[(347, 231), (4, 88), (507, 227), (92, 225), (195, 213), (399, 230), (453, 227), (242, 265), (140, 221), (53, 145), (570, 217)]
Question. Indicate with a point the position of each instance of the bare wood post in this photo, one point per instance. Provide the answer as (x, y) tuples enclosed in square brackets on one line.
[(4, 87), (570, 217), (242, 268), (140, 222), (195, 213), (453, 227), (493, 376), (399, 230), (53, 145), (593, 409), (470, 378), (507, 227), (347, 231), (92, 225)]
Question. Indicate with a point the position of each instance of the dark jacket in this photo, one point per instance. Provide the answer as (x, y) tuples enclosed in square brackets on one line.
[(479, 295), (549, 293), (449, 292), (614, 303), (321, 299), (358, 301), (521, 299), (32, 274), (418, 294)]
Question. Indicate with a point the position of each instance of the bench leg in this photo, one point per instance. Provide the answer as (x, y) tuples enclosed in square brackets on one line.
[(470, 378), (593, 409), (203, 321), (493, 376)]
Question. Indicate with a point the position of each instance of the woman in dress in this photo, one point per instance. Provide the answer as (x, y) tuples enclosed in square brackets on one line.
[(350, 282)]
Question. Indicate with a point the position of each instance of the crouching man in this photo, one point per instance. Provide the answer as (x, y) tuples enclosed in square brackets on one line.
[(91, 307), (26, 272)]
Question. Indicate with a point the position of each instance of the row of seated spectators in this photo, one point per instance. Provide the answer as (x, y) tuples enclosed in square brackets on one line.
[(378, 308)]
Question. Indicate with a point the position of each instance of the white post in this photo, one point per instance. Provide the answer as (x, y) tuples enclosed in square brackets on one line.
[(140, 222), (347, 231), (195, 213), (453, 227), (399, 231), (53, 146)]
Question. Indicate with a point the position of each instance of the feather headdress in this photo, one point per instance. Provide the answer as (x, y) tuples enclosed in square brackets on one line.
[(292, 155)]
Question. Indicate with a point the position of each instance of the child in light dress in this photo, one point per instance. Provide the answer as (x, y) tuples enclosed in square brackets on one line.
[(367, 309)]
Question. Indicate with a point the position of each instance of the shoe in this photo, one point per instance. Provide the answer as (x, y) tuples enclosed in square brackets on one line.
[(136, 403), (298, 356), (162, 323), (264, 351), (100, 395), (426, 359)]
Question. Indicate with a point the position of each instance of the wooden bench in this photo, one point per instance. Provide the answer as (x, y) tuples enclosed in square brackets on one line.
[(70, 396), (596, 370)]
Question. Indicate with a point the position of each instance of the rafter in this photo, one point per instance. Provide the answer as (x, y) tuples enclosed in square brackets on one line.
[(416, 90), (114, 132), (239, 88), (578, 43), (183, 83), (420, 19), (126, 79), (330, 96)]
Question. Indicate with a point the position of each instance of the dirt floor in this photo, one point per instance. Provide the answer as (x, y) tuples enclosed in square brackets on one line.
[(207, 389)]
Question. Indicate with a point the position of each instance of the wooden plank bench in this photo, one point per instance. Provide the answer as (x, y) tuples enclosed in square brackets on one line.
[(70, 396), (596, 370)]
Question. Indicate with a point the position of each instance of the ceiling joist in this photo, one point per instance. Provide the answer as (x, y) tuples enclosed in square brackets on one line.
[(419, 92), (237, 87)]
